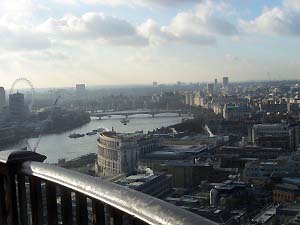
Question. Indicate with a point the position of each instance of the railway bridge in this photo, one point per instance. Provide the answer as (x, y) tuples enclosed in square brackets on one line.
[(131, 113)]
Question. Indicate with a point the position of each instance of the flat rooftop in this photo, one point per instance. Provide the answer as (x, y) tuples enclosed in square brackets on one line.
[(138, 180), (177, 151)]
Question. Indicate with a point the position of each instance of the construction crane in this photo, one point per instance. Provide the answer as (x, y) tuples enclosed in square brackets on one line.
[(34, 148)]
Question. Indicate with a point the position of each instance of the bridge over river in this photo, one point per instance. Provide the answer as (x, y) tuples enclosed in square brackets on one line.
[(131, 113)]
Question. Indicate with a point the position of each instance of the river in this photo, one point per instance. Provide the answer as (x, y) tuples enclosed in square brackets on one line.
[(56, 146)]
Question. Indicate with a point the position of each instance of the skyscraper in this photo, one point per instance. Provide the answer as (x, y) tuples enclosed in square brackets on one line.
[(210, 88), (80, 89), (225, 82), (16, 106), (2, 97)]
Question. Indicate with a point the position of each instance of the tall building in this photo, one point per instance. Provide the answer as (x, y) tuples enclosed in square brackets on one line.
[(80, 89), (16, 106), (225, 82), (210, 88), (191, 99), (187, 98), (2, 97)]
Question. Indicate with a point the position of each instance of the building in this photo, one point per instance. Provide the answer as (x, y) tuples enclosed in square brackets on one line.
[(197, 99), (236, 113), (80, 89), (216, 84), (282, 135), (16, 106), (154, 184), (118, 153), (155, 159), (225, 82), (263, 170), (227, 191), (2, 97), (274, 108), (189, 174), (210, 88), (250, 151), (187, 99), (266, 217)]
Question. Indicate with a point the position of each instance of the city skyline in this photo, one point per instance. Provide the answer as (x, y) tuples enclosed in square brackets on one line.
[(100, 42)]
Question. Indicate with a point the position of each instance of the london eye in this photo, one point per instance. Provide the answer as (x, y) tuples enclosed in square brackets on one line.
[(24, 84)]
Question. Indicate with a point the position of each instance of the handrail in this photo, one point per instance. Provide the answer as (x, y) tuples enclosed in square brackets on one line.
[(146, 208)]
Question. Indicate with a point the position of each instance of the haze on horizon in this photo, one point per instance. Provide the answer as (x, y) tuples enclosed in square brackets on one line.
[(58, 43)]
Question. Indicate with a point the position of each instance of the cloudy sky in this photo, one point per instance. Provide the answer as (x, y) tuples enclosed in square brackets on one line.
[(97, 42)]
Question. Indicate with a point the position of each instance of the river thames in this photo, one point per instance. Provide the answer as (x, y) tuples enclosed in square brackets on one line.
[(57, 146)]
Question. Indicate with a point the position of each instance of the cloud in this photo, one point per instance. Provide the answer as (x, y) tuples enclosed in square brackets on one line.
[(22, 39), (231, 58), (200, 27), (284, 20), (144, 3), (93, 26)]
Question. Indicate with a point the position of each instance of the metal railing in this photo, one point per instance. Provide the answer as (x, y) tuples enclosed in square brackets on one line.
[(32, 192)]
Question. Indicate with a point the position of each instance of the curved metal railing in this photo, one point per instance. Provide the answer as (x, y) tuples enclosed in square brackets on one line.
[(38, 193)]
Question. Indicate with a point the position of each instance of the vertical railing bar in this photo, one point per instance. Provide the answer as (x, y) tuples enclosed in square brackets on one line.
[(3, 215), (81, 209), (115, 216), (51, 197), (98, 212), (22, 200), (36, 201), (11, 199), (66, 206)]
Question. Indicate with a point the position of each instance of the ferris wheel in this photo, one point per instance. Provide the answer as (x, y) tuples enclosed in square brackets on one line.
[(28, 85)]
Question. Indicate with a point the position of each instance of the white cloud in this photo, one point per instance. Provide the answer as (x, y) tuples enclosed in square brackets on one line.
[(144, 3), (292, 4), (15, 38), (283, 20), (201, 27), (93, 26)]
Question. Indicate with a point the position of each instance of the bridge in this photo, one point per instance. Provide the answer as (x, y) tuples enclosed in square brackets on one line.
[(32, 192), (128, 113)]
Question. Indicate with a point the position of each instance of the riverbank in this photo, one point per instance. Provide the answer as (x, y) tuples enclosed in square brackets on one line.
[(59, 123)]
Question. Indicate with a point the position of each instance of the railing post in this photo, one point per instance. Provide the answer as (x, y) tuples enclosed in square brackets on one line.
[(98, 213), (10, 162), (36, 201), (22, 200), (51, 203), (2, 202), (115, 216), (81, 209), (66, 206)]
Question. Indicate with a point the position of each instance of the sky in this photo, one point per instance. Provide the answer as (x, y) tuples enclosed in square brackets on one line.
[(58, 43)]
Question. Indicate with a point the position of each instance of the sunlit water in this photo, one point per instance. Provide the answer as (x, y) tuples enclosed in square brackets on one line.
[(56, 146)]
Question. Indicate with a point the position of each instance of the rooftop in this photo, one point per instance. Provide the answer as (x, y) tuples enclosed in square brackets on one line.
[(177, 151)]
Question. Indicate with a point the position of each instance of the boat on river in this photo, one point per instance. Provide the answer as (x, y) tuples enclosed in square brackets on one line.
[(76, 135)]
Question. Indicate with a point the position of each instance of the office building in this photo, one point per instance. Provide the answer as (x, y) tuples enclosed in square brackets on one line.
[(210, 88), (264, 169), (282, 135), (154, 184), (225, 82), (2, 97), (16, 106), (118, 153), (236, 113), (80, 89)]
